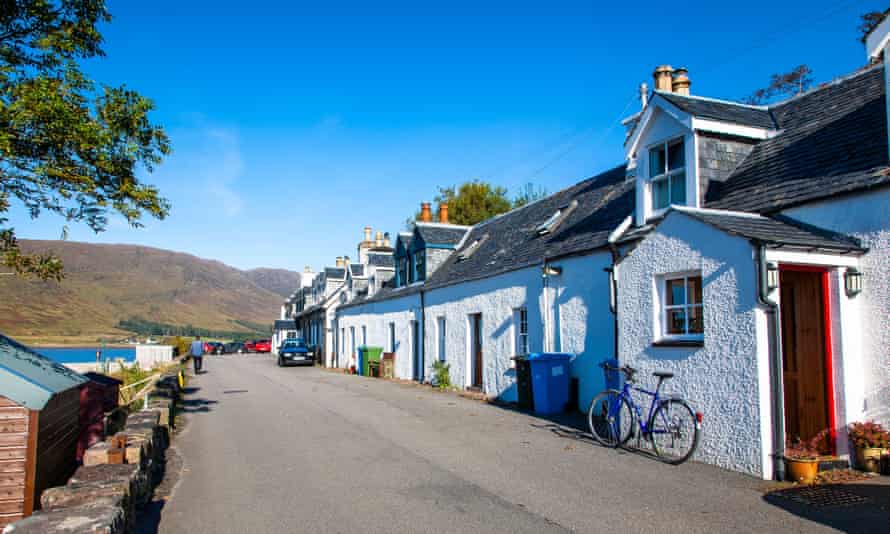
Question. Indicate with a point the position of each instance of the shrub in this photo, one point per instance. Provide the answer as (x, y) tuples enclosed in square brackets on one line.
[(869, 435), (441, 375)]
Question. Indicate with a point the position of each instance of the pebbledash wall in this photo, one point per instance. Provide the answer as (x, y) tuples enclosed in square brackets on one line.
[(727, 378), (376, 317), (865, 319)]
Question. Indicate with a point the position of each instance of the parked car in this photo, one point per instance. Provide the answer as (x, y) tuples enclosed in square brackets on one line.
[(213, 347), (263, 345), (235, 347), (250, 345), (294, 352)]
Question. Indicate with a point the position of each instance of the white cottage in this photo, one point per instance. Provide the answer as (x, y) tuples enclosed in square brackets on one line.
[(756, 264)]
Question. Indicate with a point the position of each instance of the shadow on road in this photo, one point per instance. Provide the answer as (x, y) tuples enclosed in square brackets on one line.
[(846, 507)]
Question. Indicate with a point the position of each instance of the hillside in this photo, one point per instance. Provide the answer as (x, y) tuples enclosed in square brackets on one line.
[(107, 283), (279, 281)]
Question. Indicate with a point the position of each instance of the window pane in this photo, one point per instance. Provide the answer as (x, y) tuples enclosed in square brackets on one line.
[(676, 321), (656, 161), (660, 199), (678, 188), (694, 290), (696, 322), (676, 155), (676, 292)]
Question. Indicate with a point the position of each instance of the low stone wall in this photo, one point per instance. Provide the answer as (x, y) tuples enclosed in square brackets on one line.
[(117, 476)]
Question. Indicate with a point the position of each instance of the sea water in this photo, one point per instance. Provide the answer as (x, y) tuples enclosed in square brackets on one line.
[(87, 354)]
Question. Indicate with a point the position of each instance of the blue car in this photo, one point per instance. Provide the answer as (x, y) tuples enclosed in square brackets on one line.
[(294, 351)]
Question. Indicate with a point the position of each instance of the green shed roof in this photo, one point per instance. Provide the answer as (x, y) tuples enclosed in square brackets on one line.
[(31, 379)]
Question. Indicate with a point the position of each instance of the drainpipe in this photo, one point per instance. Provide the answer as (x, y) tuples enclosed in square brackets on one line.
[(545, 308), (777, 390), (613, 289), (422, 339)]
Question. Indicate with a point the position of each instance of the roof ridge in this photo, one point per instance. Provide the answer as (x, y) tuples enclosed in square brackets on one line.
[(442, 225), (716, 100), (825, 85)]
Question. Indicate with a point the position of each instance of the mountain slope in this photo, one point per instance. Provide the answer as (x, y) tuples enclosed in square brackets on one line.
[(279, 281), (107, 283)]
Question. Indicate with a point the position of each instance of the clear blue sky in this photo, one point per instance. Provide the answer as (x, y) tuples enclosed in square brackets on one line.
[(295, 125)]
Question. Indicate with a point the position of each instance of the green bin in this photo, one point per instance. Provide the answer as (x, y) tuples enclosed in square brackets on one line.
[(371, 354)]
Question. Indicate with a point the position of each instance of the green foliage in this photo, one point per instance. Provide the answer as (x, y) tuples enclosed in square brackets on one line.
[(791, 83), (145, 327), (869, 21), (441, 375), (472, 202), (528, 193), (68, 146)]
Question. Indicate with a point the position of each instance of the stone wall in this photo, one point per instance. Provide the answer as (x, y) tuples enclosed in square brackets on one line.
[(117, 477)]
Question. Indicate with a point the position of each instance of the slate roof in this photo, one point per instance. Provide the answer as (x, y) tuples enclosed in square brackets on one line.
[(774, 231), (285, 324), (31, 379), (337, 273), (381, 260), (732, 112), (357, 269), (440, 234), (833, 140)]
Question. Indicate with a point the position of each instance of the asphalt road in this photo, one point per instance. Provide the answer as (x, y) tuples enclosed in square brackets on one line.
[(299, 449)]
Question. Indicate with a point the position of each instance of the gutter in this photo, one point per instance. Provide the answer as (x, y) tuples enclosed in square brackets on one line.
[(777, 390)]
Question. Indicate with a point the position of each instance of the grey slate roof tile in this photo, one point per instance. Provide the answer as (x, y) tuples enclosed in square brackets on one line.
[(757, 116), (381, 260), (437, 234), (285, 324), (357, 269), (336, 273)]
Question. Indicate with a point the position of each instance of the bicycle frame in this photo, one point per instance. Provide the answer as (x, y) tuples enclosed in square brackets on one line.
[(643, 424)]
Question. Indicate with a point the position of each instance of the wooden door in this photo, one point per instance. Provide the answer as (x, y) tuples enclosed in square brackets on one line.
[(803, 353), (417, 354), (476, 320)]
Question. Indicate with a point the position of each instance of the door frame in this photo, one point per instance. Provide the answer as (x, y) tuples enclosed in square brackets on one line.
[(823, 271)]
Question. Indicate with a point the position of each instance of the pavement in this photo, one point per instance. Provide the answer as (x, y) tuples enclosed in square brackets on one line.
[(302, 449)]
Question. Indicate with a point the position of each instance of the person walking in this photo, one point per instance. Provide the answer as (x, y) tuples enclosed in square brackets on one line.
[(197, 353)]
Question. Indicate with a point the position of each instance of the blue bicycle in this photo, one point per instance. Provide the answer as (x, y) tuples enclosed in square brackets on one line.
[(671, 425)]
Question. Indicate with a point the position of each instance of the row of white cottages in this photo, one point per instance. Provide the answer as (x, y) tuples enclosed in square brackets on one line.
[(745, 248)]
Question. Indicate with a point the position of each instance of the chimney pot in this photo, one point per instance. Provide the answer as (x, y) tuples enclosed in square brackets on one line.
[(346, 261), (339, 261), (644, 95), (680, 84), (426, 214), (386, 239), (307, 269), (378, 239), (443, 213), (663, 77), (367, 233)]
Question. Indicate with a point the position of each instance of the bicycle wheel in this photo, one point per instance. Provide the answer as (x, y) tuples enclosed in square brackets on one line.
[(610, 418), (674, 431)]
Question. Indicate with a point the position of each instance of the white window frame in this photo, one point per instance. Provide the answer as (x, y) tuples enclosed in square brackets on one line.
[(668, 173), (663, 307), (520, 325)]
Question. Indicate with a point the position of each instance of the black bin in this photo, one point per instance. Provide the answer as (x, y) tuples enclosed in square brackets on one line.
[(524, 383)]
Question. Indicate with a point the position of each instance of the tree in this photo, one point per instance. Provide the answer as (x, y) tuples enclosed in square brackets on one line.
[(472, 202), (869, 21), (529, 192), (68, 146), (791, 83)]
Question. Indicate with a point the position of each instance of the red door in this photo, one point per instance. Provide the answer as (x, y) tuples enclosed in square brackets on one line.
[(476, 320)]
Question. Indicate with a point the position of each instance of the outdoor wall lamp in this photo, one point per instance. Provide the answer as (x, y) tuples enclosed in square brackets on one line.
[(772, 277), (852, 281), (550, 270)]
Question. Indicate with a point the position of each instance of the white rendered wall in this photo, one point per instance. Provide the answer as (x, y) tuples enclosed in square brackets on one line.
[(724, 379), (377, 316), (862, 365)]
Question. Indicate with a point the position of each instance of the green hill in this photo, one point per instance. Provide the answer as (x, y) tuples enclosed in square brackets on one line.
[(107, 284)]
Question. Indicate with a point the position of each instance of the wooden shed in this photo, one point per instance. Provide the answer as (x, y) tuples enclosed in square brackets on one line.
[(39, 427)]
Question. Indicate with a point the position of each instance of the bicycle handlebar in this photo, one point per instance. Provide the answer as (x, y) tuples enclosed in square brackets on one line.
[(628, 371)]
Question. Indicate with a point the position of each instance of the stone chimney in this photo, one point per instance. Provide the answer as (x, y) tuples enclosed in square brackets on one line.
[(426, 214), (345, 261), (378, 239), (663, 77), (339, 261), (443, 213), (386, 242), (367, 233), (307, 269), (680, 84)]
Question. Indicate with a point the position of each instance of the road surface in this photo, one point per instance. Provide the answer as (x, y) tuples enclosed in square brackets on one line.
[(267, 449)]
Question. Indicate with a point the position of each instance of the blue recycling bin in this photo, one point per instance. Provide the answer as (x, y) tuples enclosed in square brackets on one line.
[(360, 360), (551, 381)]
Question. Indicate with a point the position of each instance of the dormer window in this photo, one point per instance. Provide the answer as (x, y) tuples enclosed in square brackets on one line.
[(667, 174), (419, 273)]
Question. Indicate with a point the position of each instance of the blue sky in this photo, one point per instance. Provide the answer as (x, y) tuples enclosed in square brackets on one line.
[(295, 125)]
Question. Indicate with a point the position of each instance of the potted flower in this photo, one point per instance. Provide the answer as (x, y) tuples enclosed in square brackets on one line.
[(870, 440), (802, 458)]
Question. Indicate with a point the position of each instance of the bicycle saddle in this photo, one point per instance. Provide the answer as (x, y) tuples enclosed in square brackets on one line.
[(663, 374)]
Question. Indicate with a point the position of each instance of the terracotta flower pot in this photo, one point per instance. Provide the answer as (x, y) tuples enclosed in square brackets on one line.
[(869, 459), (801, 470)]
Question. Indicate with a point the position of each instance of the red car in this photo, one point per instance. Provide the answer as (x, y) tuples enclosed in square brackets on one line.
[(263, 345), (250, 345)]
